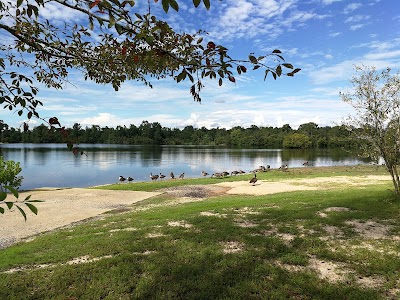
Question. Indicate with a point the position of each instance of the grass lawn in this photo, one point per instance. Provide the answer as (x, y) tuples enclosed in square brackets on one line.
[(336, 243)]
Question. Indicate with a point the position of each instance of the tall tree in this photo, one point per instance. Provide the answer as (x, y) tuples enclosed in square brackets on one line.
[(376, 100), (112, 43)]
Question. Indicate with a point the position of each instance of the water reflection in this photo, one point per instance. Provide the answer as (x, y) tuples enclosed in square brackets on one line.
[(55, 166)]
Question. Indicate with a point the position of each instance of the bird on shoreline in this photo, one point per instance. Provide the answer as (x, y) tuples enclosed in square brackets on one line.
[(182, 175), (204, 174), (162, 176), (153, 177), (171, 175), (130, 179), (254, 179), (122, 178)]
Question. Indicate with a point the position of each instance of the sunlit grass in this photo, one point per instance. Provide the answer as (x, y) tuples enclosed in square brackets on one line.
[(225, 247)]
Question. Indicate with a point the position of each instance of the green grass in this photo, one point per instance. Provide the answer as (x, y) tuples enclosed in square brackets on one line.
[(250, 247)]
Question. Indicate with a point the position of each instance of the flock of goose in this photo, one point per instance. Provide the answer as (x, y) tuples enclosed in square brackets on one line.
[(253, 180)]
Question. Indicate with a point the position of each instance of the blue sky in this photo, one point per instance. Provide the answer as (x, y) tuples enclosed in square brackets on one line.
[(325, 38)]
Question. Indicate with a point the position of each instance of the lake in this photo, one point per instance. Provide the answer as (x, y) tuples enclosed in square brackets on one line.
[(53, 165)]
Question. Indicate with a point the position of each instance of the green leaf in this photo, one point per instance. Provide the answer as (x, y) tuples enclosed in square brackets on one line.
[(277, 51), (19, 2), (3, 196), (289, 66), (220, 82), (207, 4), (12, 190), (165, 5), (27, 197), (35, 201), (266, 73), (256, 67), (119, 28), (32, 208), (295, 70), (196, 3), (22, 212), (9, 204), (278, 71), (174, 5), (253, 59), (1, 210)]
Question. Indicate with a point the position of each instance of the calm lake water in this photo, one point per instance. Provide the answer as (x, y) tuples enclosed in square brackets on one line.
[(53, 165)]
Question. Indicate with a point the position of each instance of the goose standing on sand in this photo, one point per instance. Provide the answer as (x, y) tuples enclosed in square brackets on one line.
[(122, 178), (153, 177), (254, 179), (182, 175), (171, 175)]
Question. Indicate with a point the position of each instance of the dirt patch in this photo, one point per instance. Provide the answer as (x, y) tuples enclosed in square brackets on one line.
[(63, 207), (370, 229), (232, 247)]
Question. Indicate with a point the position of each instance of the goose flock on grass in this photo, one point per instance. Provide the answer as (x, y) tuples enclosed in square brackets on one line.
[(253, 180)]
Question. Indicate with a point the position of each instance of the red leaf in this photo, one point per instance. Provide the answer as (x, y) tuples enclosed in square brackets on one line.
[(124, 50), (231, 78), (211, 45), (93, 4), (243, 68), (208, 62), (54, 121)]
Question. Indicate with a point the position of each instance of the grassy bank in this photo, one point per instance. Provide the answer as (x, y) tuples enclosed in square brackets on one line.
[(340, 243), (272, 175)]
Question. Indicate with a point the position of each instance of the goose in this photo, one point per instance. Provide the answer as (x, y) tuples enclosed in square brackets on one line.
[(171, 175), (254, 179), (285, 168), (216, 175), (204, 173), (225, 173), (153, 177), (234, 173), (122, 178), (162, 176), (182, 175), (306, 163), (130, 179), (242, 172)]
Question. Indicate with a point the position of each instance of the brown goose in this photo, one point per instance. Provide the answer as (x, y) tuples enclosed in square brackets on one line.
[(153, 177), (254, 179), (171, 175), (130, 179), (182, 175), (162, 176), (204, 174)]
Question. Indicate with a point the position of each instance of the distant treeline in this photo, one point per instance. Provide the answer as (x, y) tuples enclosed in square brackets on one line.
[(308, 135)]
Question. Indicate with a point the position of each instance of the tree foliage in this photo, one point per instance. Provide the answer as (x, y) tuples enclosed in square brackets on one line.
[(376, 100), (113, 43), (10, 182), (297, 140)]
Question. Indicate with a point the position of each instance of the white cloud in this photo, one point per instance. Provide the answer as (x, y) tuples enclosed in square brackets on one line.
[(356, 27), (327, 2), (335, 34), (351, 7)]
